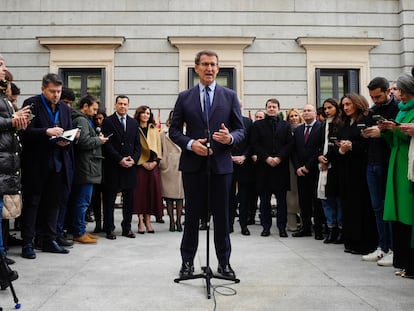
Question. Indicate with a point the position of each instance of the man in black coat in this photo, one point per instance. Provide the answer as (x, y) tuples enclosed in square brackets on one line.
[(46, 167), (272, 142), (308, 140), (242, 192), (121, 152)]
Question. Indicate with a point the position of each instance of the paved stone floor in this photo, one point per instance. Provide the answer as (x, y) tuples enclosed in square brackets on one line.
[(137, 274)]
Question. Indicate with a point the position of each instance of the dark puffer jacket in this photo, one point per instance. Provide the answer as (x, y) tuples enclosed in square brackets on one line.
[(9, 151)]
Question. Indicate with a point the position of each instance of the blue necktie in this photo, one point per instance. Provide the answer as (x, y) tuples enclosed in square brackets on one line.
[(207, 102), (123, 123)]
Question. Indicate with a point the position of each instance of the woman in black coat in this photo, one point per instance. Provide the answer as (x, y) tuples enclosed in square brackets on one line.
[(359, 227)]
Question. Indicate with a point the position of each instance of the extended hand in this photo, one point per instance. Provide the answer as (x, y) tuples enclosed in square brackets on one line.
[(223, 135)]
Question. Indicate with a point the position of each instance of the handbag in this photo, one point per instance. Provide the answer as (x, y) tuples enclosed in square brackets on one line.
[(12, 205)]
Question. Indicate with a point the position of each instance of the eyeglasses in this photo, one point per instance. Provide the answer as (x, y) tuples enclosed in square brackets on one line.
[(208, 64)]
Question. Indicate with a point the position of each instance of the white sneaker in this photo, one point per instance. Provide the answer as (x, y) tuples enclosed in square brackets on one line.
[(387, 260), (374, 256)]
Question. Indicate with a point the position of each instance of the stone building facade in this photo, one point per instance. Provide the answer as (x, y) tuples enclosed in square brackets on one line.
[(298, 51)]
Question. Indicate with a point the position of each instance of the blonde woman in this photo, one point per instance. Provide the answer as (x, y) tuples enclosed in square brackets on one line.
[(295, 118)]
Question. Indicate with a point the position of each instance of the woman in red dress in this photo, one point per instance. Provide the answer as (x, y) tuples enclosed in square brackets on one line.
[(147, 196)]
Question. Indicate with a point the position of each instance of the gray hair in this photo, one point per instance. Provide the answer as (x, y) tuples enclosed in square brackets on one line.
[(405, 83)]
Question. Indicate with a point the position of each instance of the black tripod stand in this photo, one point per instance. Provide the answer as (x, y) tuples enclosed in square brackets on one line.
[(7, 277), (207, 273)]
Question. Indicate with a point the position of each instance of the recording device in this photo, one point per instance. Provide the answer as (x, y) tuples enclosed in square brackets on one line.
[(332, 140), (361, 126), (379, 118), (30, 116), (98, 130), (109, 135)]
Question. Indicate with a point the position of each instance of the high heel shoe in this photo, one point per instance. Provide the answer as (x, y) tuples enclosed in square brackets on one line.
[(148, 230), (141, 231), (179, 227)]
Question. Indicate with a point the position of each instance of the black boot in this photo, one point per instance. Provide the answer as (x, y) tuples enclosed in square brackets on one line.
[(7, 275), (339, 237), (332, 234)]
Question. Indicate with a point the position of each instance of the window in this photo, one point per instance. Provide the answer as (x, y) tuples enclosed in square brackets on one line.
[(341, 64), (229, 50), (86, 64), (226, 77), (85, 81), (335, 83)]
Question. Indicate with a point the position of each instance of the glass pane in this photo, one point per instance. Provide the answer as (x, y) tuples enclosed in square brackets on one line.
[(341, 87), (74, 83), (327, 89), (222, 80), (93, 86)]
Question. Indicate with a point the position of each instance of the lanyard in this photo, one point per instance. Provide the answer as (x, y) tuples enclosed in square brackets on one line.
[(55, 118)]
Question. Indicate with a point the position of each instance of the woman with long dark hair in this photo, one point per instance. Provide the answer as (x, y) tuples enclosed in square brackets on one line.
[(147, 195)]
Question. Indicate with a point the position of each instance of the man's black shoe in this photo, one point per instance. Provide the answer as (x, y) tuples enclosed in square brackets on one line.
[(9, 261), (13, 241), (160, 220), (302, 233), (28, 252), (283, 233), (63, 242), (245, 231), (265, 233), (53, 247), (226, 270), (203, 226), (129, 234), (318, 236), (111, 236), (186, 270)]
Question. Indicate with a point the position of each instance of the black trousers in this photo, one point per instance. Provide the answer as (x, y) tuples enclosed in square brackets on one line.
[(108, 200), (195, 187), (403, 253), (40, 210), (309, 204)]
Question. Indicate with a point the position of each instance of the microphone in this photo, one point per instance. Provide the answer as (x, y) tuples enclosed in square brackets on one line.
[(98, 130)]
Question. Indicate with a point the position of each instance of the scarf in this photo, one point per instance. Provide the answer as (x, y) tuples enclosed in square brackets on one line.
[(404, 109), (323, 175)]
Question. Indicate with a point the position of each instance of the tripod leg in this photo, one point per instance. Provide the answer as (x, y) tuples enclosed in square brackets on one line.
[(7, 276)]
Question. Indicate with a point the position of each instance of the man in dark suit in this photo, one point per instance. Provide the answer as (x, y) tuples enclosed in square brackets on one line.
[(208, 112), (242, 186), (308, 140), (121, 152), (272, 143), (46, 167)]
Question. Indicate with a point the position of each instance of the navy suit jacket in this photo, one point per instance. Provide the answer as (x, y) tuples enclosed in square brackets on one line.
[(225, 109), (38, 149), (307, 153), (121, 144)]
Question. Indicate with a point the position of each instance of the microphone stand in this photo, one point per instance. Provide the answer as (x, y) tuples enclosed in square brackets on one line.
[(207, 273), (8, 279)]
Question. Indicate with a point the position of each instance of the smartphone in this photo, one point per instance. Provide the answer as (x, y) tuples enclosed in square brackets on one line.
[(395, 122), (378, 118), (361, 126)]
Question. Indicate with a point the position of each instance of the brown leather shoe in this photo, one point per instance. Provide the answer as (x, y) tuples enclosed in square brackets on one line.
[(92, 236), (84, 239)]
